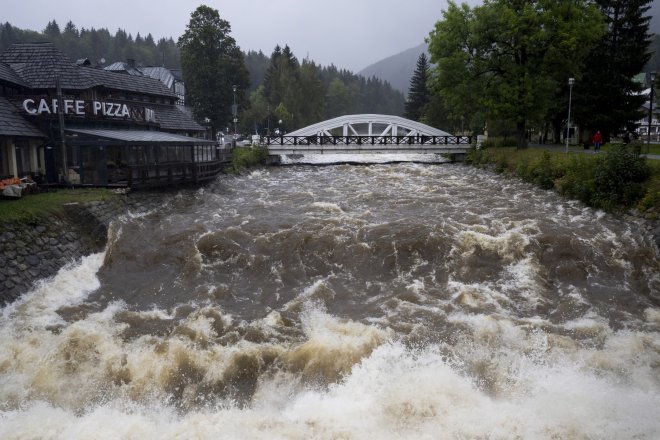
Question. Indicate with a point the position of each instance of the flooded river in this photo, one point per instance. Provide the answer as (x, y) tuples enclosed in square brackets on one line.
[(345, 302)]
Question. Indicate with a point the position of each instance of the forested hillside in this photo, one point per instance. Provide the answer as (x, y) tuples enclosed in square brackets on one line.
[(303, 93), (397, 69), (312, 92), (98, 45)]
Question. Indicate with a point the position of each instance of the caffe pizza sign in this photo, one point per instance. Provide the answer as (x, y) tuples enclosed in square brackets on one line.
[(76, 107)]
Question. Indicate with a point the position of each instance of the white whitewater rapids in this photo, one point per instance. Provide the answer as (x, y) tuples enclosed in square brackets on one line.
[(363, 158), (376, 302)]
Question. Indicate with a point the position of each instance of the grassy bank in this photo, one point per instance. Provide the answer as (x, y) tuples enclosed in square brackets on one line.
[(34, 206), (617, 179)]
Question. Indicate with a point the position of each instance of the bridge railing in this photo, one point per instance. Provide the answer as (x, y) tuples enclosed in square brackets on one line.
[(367, 140)]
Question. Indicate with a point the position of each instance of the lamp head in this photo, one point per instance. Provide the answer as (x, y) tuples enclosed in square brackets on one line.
[(233, 88), (652, 77), (571, 81)]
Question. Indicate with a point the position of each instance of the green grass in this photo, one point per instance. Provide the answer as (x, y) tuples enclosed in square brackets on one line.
[(34, 206)]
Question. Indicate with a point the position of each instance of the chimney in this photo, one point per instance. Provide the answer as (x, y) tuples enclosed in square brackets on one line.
[(130, 62)]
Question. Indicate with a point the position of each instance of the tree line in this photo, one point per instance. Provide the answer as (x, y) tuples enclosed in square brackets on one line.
[(271, 94), (504, 67), (291, 94), (98, 45), (268, 89)]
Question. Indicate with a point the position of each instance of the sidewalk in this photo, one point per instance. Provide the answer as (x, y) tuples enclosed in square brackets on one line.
[(577, 149)]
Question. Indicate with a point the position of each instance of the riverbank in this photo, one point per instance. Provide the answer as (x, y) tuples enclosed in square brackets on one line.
[(42, 235), (617, 181)]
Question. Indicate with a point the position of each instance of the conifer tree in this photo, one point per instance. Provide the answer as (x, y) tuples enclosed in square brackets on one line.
[(212, 64), (607, 98), (418, 93), (52, 30)]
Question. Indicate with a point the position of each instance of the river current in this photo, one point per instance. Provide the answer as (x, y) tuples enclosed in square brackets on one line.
[(345, 302)]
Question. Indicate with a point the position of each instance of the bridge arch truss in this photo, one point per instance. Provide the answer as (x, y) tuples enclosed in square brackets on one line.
[(369, 125)]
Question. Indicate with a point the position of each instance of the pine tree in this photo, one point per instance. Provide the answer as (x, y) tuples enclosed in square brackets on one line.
[(607, 98), (52, 30), (212, 66), (282, 84), (71, 29), (418, 93)]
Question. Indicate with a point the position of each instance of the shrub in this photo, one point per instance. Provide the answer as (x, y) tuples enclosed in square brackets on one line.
[(618, 177), (247, 157), (499, 142), (542, 172), (475, 157), (577, 180)]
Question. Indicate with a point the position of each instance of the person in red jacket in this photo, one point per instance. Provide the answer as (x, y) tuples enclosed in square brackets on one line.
[(597, 140)]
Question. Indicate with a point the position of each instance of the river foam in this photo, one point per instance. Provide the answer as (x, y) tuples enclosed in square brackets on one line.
[(389, 302)]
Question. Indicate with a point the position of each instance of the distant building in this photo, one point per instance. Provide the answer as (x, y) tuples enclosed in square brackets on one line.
[(172, 78), (105, 128), (643, 124)]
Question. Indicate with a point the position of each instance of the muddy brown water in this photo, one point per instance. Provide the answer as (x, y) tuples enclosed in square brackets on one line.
[(383, 301)]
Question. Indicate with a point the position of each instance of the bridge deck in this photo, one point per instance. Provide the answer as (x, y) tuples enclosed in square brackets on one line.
[(368, 144), (368, 149)]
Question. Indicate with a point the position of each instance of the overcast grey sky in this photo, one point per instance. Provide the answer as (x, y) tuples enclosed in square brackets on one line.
[(350, 34)]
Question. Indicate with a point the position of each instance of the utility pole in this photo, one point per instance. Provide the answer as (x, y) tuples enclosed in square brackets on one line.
[(60, 116), (571, 81), (648, 130), (234, 111)]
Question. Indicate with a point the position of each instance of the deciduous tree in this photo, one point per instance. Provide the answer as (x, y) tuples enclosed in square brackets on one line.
[(498, 56)]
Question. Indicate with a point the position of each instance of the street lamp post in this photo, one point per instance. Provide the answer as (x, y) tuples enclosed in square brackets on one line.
[(571, 81), (234, 110), (648, 130)]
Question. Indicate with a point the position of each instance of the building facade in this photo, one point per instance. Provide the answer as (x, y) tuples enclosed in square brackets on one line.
[(643, 124), (64, 122)]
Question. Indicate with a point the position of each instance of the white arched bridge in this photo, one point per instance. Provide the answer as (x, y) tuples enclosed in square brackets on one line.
[(368, 133)]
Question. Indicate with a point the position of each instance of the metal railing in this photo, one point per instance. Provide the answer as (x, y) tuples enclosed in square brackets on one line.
[(367, 140)]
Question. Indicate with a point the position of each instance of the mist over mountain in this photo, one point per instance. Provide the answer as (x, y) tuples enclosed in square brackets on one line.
[(396, 69)]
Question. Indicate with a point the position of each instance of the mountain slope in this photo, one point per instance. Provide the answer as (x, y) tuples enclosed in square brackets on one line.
[(397, 69)]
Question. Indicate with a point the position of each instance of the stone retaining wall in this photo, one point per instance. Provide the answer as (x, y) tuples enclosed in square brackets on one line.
[(38, 249)]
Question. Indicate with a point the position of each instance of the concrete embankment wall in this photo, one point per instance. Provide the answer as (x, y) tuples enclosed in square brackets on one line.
[(38, 249)]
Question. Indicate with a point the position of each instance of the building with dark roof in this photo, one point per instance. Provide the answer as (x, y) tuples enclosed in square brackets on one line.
[(19, 141), (72, 123), (171, 78)]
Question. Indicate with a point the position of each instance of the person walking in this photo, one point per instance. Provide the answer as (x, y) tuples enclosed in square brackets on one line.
[(597, 140)]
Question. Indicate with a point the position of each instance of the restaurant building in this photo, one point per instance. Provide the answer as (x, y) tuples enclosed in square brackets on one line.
[(62, 122)]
